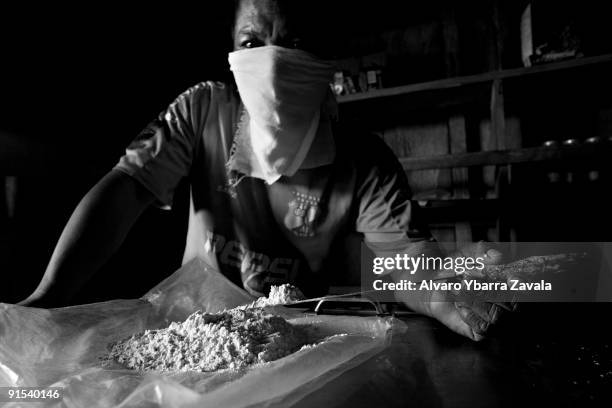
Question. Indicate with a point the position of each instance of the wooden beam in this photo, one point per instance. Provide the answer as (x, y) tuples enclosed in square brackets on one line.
[(532, 154), (454, 211)]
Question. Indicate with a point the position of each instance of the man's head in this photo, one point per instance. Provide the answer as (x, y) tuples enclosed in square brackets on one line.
[(285, 23)]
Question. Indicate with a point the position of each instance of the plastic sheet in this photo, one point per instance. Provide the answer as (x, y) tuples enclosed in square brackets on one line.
[(63, 347)]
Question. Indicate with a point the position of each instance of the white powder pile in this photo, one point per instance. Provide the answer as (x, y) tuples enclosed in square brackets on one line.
[(279, 295), (207, 342), (232, 339)]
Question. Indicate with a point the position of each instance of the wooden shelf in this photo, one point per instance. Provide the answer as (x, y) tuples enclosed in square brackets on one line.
[(456, 82), (449, 212), (600, 151)]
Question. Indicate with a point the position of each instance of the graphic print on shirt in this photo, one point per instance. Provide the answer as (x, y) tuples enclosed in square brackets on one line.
[(302, 214), (258, 271)]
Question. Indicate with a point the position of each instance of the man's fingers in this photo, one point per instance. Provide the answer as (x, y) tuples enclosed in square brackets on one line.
[(489, 253), (484, 252), (487, 312), (456, 323), (472, 319), (509, 306)]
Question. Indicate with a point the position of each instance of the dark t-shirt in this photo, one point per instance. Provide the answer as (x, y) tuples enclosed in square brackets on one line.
[(258, 234)]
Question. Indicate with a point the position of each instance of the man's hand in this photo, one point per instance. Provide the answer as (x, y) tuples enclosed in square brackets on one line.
[(42, 300), (484, 250), (467, 316)]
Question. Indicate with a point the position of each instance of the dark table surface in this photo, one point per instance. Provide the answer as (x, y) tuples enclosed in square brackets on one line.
[(545, 355)]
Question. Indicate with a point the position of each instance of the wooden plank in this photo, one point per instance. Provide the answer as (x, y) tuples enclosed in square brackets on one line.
[(457, 82), (494, 138), (458, 144), (531, 154), (501, 187), (498, 116), (514, 138), (418, 140)]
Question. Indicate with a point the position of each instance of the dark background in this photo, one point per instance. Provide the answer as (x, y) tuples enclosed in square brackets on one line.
[(76, 85)]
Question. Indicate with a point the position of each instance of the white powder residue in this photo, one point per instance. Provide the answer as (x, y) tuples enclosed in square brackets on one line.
[(312, 345)]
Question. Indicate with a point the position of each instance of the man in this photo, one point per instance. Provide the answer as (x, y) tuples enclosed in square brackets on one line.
[(275, 182)]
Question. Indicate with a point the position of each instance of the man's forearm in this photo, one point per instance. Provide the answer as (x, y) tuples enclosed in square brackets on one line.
[(94, 232)]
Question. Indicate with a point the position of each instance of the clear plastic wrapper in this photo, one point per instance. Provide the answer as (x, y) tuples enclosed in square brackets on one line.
[(63, 348)]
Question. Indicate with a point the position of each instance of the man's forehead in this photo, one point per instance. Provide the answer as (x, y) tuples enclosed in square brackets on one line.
[(259, 12), (266, 14)]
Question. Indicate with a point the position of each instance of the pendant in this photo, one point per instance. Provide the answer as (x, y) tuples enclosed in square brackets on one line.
[(303, 212)]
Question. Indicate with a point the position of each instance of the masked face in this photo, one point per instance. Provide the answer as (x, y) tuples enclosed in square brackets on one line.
[(281, 87)]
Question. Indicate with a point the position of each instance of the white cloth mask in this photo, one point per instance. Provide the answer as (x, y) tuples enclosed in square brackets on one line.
[(283, 91)]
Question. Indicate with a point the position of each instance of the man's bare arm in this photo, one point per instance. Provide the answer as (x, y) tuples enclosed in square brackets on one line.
[(96, 229)]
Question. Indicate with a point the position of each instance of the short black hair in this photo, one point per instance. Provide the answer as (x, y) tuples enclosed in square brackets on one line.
[(314, 16)]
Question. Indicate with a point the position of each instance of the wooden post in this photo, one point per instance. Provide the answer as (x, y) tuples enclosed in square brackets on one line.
[(498, 116), (497, 37), (450, 34), (457, 134), (458, 144), (498, 135), (498, 113)]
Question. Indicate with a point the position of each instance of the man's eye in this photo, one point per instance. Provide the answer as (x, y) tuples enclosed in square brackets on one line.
[(251, 43)]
